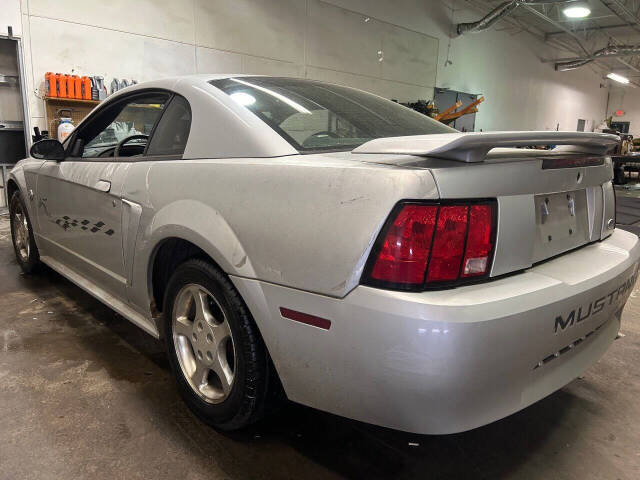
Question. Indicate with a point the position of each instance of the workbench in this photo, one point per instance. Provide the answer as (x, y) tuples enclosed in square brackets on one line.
[(619, 164)]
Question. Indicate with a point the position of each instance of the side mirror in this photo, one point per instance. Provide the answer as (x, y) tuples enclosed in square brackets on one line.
[(47, 149)]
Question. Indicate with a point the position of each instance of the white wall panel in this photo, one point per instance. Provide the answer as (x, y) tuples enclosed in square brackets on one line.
[(264, 28), (408, 56), (94, 51), (10, 16), (209, 60), (426, 16), (167, 19), (265, 66), (341, 40), (384, 88)]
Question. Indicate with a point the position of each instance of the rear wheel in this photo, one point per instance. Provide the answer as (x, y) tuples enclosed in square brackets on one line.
[(22, 235), (215, 350)]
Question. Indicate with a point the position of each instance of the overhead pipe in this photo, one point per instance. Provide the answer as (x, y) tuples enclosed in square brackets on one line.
[(499, 13), (493, 17), (608, 51), (623, 13)]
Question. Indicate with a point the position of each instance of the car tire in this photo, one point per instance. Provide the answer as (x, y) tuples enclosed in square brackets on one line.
[(24, 243), (198, 302)]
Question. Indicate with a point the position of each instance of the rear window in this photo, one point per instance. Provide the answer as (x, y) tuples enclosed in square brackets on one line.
[(313, 115)]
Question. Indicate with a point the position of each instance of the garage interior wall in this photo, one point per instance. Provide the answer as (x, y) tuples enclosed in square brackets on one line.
[(626, 99), (395, 49)]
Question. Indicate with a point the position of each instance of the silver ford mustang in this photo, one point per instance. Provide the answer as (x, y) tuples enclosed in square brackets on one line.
[(288, 235)]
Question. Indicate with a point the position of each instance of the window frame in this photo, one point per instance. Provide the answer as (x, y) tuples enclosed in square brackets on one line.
[(68, 143)]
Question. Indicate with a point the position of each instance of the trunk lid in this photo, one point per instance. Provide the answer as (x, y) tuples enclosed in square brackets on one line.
[(549, 202)]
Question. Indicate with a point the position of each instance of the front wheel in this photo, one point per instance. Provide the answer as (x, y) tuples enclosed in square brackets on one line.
[(215, 350), (22, 235)]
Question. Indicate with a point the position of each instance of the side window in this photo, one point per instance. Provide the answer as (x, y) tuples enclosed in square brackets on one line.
[(131, 118), (171, 134)]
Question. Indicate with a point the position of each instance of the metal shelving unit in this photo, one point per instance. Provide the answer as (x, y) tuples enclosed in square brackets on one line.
[(9, 80), (79, 108), (14, 124)]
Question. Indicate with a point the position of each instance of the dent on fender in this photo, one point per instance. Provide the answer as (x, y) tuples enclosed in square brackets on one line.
[(204, 227)]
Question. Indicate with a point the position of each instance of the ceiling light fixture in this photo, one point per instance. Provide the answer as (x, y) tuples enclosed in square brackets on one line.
[(577, 10), (618, 78)]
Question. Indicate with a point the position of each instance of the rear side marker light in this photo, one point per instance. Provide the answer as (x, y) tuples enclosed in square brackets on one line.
[(305, 318), (426, 245)]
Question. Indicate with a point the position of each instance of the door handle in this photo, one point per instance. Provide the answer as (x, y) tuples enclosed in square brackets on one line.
[(102, 186)]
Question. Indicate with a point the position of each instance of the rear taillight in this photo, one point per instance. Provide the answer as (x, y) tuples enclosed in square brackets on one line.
[(479, 241), (427, 245), (404, 254), (448, 244)]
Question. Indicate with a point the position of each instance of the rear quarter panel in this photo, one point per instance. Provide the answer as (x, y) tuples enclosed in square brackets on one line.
[(302, 221)]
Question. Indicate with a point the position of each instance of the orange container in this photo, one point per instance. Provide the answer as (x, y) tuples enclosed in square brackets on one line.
[(86, 88), (77, 81), (71, 86), (62, 85), (51, 84)]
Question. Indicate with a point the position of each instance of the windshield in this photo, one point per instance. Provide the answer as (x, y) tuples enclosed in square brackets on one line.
[(313, 115)]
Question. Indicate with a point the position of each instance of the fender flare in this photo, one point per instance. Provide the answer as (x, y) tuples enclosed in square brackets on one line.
[(202, 226)]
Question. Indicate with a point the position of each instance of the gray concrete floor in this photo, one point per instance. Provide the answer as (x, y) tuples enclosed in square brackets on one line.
[(85, 394), (628, 206)]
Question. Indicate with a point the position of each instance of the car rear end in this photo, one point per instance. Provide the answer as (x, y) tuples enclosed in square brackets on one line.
[(471, 306), (473, 301), (524, 281)]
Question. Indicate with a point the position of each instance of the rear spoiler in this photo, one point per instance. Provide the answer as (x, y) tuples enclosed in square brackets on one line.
[(473, 147)]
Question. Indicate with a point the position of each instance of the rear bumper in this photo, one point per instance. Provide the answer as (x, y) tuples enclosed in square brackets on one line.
[(449, 361)]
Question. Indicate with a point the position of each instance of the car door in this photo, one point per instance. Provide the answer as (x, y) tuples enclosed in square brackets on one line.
[(79, 204)]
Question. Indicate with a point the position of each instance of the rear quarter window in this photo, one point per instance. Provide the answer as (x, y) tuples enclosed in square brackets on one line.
[(172, 132)]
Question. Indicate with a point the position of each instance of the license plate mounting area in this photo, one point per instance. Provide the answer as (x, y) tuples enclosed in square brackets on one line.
[(561, 222)]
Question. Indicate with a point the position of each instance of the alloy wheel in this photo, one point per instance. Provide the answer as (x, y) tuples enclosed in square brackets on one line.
[(21, 237), (203, 343)]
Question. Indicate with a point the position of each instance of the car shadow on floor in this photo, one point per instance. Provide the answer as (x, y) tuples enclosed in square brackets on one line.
[(294, 439)]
